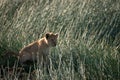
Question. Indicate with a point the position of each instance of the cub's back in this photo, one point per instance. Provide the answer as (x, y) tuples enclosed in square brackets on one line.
[(33, 47)]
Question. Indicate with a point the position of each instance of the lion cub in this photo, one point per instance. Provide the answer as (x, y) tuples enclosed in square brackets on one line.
[(38, 50)]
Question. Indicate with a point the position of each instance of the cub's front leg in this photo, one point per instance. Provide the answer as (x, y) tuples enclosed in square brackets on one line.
[(46, 61)]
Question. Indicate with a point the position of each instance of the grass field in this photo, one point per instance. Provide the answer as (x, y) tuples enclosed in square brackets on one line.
[(89, 36)]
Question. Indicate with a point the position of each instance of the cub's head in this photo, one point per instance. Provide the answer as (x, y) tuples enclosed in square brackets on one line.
[(51, 39)]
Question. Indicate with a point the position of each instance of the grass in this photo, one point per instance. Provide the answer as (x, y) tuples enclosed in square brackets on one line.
[(88, 44)]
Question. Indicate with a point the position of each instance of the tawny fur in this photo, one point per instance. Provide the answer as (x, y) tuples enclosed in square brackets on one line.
[(38, 50)]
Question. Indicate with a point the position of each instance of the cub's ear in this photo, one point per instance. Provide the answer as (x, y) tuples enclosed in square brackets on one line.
[(47, 35), (56, 35)]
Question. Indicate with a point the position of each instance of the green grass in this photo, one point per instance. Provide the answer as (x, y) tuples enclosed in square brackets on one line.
[(89, 36)]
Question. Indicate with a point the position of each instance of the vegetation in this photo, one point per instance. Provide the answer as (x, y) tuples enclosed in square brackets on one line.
[(89, 37)]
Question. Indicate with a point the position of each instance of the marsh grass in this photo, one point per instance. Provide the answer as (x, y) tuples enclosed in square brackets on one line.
[(88, 44)]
